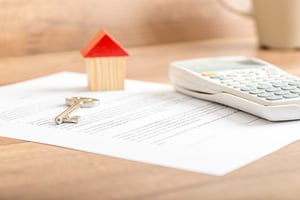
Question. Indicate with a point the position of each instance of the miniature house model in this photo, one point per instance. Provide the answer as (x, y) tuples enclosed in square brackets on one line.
[(105, 63)]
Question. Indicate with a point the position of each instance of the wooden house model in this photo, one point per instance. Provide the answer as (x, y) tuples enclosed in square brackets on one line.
[(105, 63)]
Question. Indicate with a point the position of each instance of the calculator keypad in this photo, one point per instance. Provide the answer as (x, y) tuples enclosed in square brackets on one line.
[(264, 83)]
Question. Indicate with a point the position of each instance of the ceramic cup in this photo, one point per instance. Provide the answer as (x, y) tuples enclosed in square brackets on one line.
[(277, 22)]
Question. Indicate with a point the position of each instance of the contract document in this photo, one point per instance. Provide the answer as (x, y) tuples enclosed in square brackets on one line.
[(146, 122)]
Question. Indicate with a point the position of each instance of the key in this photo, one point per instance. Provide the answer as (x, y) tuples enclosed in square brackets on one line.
[(75, 103)]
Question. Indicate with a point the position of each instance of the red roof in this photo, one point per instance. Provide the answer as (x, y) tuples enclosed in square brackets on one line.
[(103, 45)]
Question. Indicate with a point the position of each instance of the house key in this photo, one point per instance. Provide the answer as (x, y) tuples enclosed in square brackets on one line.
[(75, 103)]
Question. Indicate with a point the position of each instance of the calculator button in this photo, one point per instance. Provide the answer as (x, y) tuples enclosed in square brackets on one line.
[(251, 85), (288, 87), (256, 91), (273, 98), (281, 92), (227, 81), (274, 75), (279, 84), (235, 85), (293, 83), (295, 91), (264, 95), (208, 73), (230, 84), (263, 86), (245, 82), (231, 75), (216, 76), (246, 89), (270, 70), (289, 96), (273, 89)]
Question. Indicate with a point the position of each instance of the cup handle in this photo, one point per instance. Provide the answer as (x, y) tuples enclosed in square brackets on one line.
[(230, 7)]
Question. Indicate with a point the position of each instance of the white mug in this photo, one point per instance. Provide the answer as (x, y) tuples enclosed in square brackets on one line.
[(277, 22)]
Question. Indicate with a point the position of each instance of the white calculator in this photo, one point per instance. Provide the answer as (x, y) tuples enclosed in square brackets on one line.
[(244, 83)]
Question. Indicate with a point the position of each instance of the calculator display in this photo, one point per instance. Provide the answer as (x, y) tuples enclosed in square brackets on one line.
[(218, 65)]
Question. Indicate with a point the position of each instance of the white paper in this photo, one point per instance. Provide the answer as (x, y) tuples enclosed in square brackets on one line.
[(146, 122)]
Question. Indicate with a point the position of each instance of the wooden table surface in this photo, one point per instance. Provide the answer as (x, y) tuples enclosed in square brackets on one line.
[(35, 171)]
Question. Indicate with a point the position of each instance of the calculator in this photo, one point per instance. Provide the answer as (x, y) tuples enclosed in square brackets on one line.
[(245, 83)]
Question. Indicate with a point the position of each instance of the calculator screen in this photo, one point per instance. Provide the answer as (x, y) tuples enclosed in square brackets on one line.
[(221, 65)]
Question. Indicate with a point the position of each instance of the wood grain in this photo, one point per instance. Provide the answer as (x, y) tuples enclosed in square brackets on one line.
[(41, 26), (34, 171), (7, 141), (148, 63), (106, 73)]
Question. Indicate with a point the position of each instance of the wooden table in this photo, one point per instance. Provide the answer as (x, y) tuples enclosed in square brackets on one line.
[(36, 171)]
